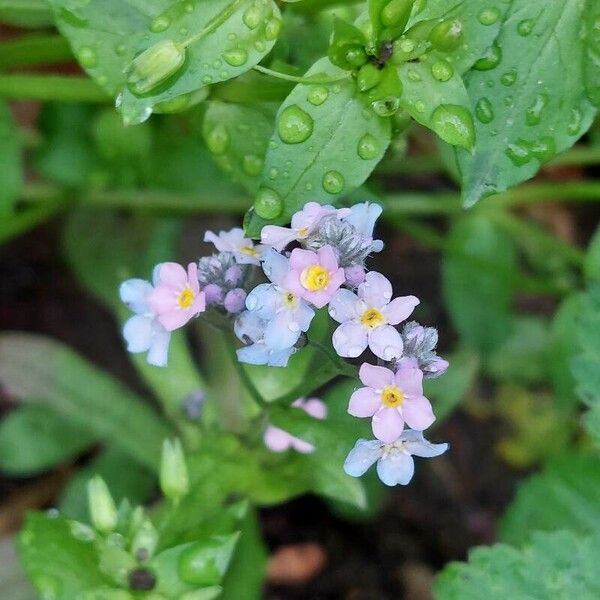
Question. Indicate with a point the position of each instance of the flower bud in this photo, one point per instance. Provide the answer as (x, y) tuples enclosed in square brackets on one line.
[(368, 77), (102, 506), (235, 300), (233, 275), (144, 541), (396, 13), (213, 293), (356, 56), (447, 35), (174, 481), (355, 275), (154, 65)]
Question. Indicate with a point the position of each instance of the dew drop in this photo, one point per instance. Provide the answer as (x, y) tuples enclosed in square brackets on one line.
[(488, 16), (87, 57), (120, 49), (82, 532), (252, 165), (518, 153), (574, 126), (218, 139), (72, 18), (368, 147), (232, 37), (413, 75), (543, 149), (317, 95), (484, 111), (509, 78), (295, 125), (454, 124), (272, 29), (217, 64), (183, 31), (160, 23), (490, 59), (236, 57), (509, 101), (525, 27), (386, 107), (442, 70), (308, 186), (333, 182), (420, 106), (252, 17), (268, 204), (533, 115), (260, 46)]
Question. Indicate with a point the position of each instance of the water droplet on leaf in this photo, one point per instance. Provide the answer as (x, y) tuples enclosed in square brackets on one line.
[(488, 16), (87, 57), (574, 126), (295, 125), (368, 147), (268, 204), (518, 153), (509, 78), (386, 107), (236, 57), (454, 124), (333, 182), (525, 27), (533, 115), (442, 70), (252, 17), (490, 59), (272, 29), (160, 23), (317, 95), (543, 149), (484, 111), (218, 139), (252, 165)]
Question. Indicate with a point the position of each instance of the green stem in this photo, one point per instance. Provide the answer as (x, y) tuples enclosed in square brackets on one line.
[(51, 88), (34, 49), (311, 79), (217, 21)]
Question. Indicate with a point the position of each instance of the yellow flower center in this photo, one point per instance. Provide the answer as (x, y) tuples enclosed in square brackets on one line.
[(372, 318), (289, 299), (392, 396), (302, 232), (186, 297), (315, 278), (249, 250)]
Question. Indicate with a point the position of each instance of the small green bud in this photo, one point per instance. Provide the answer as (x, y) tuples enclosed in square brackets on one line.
[(396, 13), (174, 481), (145, 540), (102, 506), (150, 68), (406, 49), (356, 56), (447, 35), (368, 77)]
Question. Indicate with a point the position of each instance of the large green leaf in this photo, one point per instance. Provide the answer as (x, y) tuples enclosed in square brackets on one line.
[(565, 495), (477, 277), (555, 565), (528, 96), (592, 51), (481, 22), (34, 437), (237, 136), (326, 144), (220, 40), (59, 565), (36, 368), (440, 103), (10, 157)]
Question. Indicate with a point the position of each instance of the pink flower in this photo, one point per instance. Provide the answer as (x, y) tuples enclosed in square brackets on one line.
[(278, 440), (176, 297), (391, 399), (314, 276), (234, 241), (304, 222)]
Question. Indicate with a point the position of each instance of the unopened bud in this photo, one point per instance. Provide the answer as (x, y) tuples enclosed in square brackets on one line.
[(174, 481), (154, 65), (356, 56), (396, 13), (144, 541), (368, 77), (102, 506), (447, 35), (235, 300)]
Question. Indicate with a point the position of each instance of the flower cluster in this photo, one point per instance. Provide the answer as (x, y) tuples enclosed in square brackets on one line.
[(272, 292)]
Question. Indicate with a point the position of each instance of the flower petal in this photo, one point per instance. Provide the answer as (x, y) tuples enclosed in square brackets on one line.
[(350, 339), (300, 259), (364, 402), (362, 456), (399, 309), (137, 332), (302, 446), (344, 306), (417, 445), (303, 315), (375, 377), (376, 290), (396, 469), (172, 275), (315, 408), (387, 424), (162, 299), (363, 217), (158, 353), (256, 354), (417, 413), (277, 440), (281, 331), (249, 326), (409, 380), (328, 258), (216, 240), (386, 343), (176, 318), (264, 300), (275, 266), (276, 236), (134, 293)]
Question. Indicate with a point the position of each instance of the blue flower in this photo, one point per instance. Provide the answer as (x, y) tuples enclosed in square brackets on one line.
[(143, 332), (395, 464)]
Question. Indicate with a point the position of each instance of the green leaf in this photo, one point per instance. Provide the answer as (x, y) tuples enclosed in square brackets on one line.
[(447, 392), (12, 579), (434, 95), (59, 565), (555, 565), (34, 438), (237, 136), (481, 21), (320, 150), (478, 265), (565, 495), (112, 465), (211, 41), (25, 13), (528, 99), (34, 367), (592, 51), (10, 158)]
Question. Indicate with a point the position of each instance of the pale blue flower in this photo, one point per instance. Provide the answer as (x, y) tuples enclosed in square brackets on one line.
[(395, 463), (363, 217), (143, 332)]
